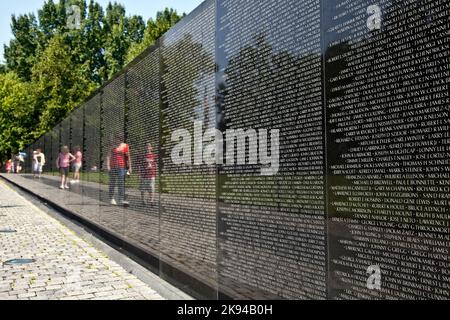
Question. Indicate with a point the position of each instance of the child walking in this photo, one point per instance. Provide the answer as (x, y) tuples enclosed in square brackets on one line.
[(38, 163), (148, 172), (63, 164), (77, 165)]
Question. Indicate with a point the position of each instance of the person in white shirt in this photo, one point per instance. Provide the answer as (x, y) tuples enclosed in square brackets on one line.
[(38, 163)]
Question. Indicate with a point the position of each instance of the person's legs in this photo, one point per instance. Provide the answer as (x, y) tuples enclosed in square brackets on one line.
[(35, 169), (113, 176), (145, 190), (153, 190), (66, 178), (77, 173), (142, 188), (121, 185), (61, 173)]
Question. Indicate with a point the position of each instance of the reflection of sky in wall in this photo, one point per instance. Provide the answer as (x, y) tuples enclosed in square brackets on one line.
[(145, 8), (204, 84)]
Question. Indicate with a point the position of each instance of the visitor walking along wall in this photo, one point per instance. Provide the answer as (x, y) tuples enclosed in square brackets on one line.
[(292, 149)]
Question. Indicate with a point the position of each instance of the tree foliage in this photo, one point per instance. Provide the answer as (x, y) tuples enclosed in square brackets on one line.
[(17, 112), (50, 68), (154, 30)]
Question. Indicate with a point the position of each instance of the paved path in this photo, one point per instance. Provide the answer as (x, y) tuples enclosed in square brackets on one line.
[(66, 267)]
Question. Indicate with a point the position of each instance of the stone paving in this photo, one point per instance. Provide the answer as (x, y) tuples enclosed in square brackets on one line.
[(66, 267)]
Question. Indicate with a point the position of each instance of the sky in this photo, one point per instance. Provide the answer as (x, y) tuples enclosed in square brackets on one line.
[(145, 8)]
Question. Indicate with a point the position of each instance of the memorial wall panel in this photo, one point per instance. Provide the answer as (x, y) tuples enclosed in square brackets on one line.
[(272, 226), (47, 151), (33, 148), (65, 134), (143, 135), (61, 197), (188, 202), (53, 152), (76, 145), (28, 159), (387, 74), (114, 174), (92, 164)]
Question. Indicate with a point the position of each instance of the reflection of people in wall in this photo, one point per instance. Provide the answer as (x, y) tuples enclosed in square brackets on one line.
[(38, 162), (147, 172), (21, 156), (16, 164), (118, 164), (8, 166), (77, 164), (63, 164)]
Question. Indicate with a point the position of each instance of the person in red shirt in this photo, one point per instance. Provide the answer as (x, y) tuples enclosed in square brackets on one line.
[(9, 165), (119, 165), (148, 171)]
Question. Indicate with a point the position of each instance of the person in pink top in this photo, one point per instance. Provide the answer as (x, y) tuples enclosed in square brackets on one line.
[(63, 164), (77, 164)]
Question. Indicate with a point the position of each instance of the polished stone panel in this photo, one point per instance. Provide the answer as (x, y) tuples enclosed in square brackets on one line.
[(143, 129), (386, 77), (92, 159), (113, 135), (188, 202), (272, 229)]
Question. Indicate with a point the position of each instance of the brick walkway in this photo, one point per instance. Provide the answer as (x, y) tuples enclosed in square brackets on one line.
[(66, 266)]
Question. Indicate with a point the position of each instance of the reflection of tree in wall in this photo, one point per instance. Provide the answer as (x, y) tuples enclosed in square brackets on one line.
[(113, 114), (186, 70), (380, 42), (264, 90), (92, 133), (269, 88), (143, 109), (48, 151)]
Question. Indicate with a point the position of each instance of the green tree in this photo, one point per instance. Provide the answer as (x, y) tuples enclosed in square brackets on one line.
[(21, 52), (92, 51), (121, 33), (136, 29), (59, 88), (49, 22), (154, 30), (18, 116), (116, 46)]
